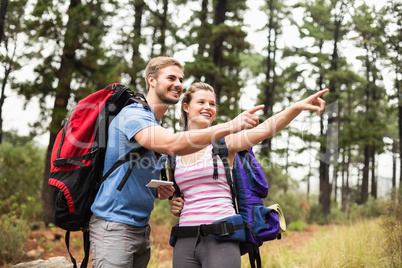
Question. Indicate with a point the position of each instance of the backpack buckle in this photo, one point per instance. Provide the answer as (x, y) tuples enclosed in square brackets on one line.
[(224, 228), (60, 162)]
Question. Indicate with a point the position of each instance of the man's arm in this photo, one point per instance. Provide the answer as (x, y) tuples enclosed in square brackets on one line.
[(161, 140)]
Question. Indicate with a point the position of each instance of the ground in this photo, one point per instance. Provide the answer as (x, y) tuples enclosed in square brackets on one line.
[(49, 242)]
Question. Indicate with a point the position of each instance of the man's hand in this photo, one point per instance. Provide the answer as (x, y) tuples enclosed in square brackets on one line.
[(165, 192), (246, 120), (177, 204)]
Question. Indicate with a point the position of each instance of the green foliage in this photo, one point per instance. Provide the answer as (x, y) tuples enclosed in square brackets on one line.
[(21, 168), (291, 206), (162, 215), (316, 215), (14, 233), (337, 216), (296, 226), (373, 208), (392, 226)]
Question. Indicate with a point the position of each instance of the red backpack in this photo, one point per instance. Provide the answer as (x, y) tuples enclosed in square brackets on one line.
[(78, 155)]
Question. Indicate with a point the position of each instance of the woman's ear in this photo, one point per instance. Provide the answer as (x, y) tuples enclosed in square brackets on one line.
[(185, 107)]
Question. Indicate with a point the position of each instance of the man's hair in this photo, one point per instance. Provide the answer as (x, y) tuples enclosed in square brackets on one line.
[(188, 96), (158, 63)]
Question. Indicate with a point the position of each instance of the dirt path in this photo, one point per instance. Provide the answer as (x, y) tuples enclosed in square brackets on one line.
[(49, 243)]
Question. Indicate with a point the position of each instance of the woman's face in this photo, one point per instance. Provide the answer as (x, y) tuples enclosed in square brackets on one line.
[(201, 110)]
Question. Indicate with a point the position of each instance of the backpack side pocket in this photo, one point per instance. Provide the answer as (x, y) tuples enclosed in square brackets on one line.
[(265, 224)]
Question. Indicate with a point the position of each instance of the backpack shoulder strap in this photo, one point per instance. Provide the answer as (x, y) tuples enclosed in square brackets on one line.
[(139, 98), (220, 148), (171, 162)]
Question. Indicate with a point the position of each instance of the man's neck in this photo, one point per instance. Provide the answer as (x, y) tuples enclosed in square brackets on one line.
[(157, 106)]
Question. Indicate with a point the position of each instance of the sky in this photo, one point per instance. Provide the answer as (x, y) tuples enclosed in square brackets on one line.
[(17, 117)]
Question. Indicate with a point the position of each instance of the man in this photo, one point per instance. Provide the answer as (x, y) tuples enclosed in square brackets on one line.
[(119, 230)]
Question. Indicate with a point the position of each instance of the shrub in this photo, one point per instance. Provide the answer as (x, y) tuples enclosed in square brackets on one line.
[(336, 216), (392, 226), (291, 206), (162, 214), (21, 170), (296, 225), (373, 208), (316, 215), (12, 238)]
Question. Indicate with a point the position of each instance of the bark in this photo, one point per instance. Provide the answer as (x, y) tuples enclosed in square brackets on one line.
[(137, 67), (2, 99), (373, 175), (270, 86), (3, 11), (365, 176), (217, 55)]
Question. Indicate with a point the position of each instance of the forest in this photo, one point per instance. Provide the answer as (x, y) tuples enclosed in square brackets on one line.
[(322, 169)]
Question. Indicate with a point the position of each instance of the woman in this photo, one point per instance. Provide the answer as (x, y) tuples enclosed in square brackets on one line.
[(205, 199)]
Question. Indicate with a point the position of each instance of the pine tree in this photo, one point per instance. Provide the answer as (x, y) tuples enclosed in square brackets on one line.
[(11, 36), (217, 59), (369, 30), (72, 62), (392, 16), (325, 22)]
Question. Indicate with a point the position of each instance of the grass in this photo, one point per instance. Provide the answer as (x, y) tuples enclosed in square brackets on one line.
[(357, 245)]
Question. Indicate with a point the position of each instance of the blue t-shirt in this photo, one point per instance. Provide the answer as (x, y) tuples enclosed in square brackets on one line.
[(134, 203)]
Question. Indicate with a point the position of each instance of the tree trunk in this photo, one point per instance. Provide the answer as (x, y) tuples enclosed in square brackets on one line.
[(2, 99), (335, 183), (270, 77), (325, 187), (3, 11), (400, 133), (373, 175), (138, 63), (365, 175), (164, 25), (63, 92), (217, 56), (394, 159)]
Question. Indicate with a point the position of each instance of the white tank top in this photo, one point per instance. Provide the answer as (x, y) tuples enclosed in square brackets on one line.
[(205, 199)]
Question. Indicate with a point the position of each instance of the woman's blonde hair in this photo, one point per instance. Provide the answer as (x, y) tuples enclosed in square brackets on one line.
[(187, 97)]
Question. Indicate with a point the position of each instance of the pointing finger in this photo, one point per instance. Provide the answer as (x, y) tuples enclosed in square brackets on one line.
[(256, 108), (320, 93)]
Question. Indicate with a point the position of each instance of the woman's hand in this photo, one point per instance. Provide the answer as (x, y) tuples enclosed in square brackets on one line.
[(177, 204), (313, 102)]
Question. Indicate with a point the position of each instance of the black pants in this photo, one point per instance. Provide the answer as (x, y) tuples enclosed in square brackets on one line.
[(209, 253)]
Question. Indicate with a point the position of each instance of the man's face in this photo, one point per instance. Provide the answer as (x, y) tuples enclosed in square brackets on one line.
[(169, 84)]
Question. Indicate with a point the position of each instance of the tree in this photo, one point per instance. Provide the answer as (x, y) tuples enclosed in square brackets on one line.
[(276, 12), (72, 65), (325, 22), (10, 42), (3, 11), (217, 58), (369, 31), (392, 16)]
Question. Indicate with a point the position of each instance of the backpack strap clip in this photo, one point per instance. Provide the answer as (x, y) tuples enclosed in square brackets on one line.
[(223, 228)]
